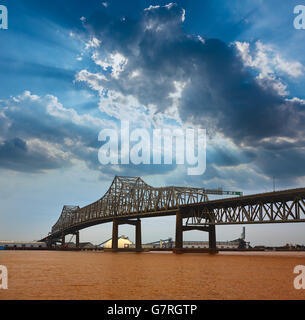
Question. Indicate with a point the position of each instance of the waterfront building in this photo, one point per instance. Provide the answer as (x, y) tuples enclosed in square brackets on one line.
[(123, 242), (21, 244)]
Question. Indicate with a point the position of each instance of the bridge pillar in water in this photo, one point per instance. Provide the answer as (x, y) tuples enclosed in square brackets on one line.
[(115, 232), (212, 238), (138, 236), (179, 233), (63, 240), (115, 235), (77, 239), (49, 243), (180, 228)]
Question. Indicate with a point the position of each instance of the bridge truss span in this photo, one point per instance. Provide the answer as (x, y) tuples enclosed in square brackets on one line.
[(273, 207), (129, 199), (129, 196)]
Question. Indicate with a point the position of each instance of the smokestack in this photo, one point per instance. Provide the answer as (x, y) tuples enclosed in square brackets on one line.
[(243, 235)]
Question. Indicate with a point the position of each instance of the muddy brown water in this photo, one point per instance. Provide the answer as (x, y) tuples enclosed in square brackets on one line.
[(154, 275)]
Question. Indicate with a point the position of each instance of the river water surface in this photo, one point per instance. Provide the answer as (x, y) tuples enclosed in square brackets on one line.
[(153, 275)]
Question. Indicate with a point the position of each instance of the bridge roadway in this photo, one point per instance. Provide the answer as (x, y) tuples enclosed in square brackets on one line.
[(130, 199)]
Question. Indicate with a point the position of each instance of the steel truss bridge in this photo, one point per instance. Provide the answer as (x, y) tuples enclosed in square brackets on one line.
[(129, 199)]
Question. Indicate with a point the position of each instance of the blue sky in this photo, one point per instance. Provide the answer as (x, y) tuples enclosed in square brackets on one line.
[(69, 69)]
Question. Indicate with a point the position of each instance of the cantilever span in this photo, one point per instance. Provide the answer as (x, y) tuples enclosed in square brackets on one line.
[(129, 198)]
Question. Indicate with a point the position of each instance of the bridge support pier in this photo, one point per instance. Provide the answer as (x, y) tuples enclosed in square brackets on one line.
[(138, 236), (212, 238), (77, 239), (179, 233), (115, 232), (115, 235), (49, 243), (180, 228), (63, 240)]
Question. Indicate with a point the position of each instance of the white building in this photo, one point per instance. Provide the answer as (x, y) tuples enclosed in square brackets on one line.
[(123, 242)]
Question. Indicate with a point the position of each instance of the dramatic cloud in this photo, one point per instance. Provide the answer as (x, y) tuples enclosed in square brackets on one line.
[(268, 62), (38, 133), (152, 72), (234, 92)]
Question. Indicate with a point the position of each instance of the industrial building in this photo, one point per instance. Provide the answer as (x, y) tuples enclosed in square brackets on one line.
[(22, 244), (82, 245), (239, 243), (235, 244)]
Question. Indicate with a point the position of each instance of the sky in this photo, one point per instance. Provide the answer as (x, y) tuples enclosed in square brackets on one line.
[(69, 69)]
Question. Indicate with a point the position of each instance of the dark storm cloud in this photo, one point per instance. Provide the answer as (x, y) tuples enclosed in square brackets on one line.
[(30, 119), (221, 94), (15, 155), (26, 118), (34, 139), (220, 90), (226, 157), (38, 133), (284, 164)]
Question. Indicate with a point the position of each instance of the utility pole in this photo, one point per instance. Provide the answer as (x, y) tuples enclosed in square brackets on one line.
[(273, 183)]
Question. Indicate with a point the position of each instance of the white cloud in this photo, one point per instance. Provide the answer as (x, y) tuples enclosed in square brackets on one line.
[(93, 43), (151, 8), (269, 64), (116, 61), (52, 150), (297, 100), (294, 69), (201, 39), (94, 80), (170, 5), (27, 95), (56, 109), (183, 15), (126, 107), (134, 74)]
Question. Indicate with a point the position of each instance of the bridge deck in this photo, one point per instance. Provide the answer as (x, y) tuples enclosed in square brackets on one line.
[(282, 195)]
